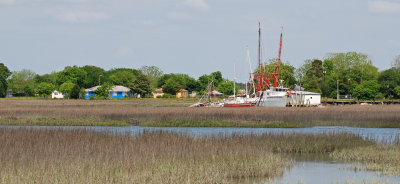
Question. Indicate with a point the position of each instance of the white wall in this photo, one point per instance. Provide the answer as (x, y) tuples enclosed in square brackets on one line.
[(57, 94), (312, 99)]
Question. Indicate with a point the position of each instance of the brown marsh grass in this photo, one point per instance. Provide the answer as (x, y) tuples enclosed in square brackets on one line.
[(154, 113), (83, 156), (384, 158)]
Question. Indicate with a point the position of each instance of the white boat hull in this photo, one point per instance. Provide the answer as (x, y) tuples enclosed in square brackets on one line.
[(274, 101)]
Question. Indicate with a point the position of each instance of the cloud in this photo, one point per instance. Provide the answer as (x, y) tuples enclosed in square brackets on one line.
[(125, 51), (180, 16), (384, 7), (6, 2), (196, 4), (83, 17)]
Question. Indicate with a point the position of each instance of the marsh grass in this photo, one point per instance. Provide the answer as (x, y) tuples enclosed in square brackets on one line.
[(383, 157), (59, 121), (160, 113), (83, 156)]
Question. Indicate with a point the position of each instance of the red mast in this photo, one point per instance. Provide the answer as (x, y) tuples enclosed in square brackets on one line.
[(260, 76), (264, 79), (279, 61)]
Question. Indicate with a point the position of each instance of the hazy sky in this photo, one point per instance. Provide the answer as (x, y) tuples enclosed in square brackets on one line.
[(191, 36)]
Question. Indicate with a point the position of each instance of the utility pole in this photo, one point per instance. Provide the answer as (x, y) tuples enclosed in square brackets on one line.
[(300, 82), (348, 86), (234, 81), (99, 79), (337, 90)]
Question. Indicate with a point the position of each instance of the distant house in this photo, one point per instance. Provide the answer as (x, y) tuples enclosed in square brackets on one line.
[(115, 92), (158, 92), (9, 93), (57, 94), (182, 93)]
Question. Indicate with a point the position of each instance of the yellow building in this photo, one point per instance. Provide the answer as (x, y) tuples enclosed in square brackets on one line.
[(182, 93), (158, 92)]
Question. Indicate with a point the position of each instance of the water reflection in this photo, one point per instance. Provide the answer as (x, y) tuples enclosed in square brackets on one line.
[(329, 172)]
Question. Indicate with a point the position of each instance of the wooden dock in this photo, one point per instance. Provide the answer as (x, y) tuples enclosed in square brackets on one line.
[(384, 102)]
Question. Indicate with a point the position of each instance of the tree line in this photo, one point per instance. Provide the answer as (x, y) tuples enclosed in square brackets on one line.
[(348, 73)]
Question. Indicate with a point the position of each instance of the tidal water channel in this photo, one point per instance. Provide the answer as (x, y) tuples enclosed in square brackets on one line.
[(309, 169)]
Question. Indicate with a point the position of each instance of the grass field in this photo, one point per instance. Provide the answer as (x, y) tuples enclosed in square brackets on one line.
[(82, 156), (176, 113)]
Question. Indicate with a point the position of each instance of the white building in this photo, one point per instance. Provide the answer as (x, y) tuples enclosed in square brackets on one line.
[(305, 98), (57, 94)]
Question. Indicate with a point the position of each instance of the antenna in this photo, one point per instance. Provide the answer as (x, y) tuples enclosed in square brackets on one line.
[(234, 81)]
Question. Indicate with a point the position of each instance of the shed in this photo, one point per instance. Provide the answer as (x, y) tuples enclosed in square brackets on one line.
[(182, 93), (305, 98)]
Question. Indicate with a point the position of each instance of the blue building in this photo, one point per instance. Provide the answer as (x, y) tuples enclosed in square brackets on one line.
[(115, 92)]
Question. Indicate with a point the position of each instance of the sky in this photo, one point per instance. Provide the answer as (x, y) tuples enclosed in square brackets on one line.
[(194, 37)]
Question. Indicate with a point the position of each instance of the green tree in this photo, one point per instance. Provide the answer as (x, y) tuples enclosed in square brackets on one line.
[(103, 92), (66, 88), (352, 65), (21, 79), (123, 78), (75, 92), (367, 91), (4, 74), (397, 90), (312, 80), (71, 74), (141, 85), (388, 80), (94, 76), (171, 86), (49, 78), (28, 91), (226, 87), (45, 89), (152, 73), (350, 69), (205, 80), (184, 80), (109, 73)]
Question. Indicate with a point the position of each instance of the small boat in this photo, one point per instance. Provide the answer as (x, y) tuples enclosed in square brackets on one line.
[(241, 102)]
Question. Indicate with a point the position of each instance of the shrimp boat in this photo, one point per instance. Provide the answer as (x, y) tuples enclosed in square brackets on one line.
[(274, 97), (270, 92)]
